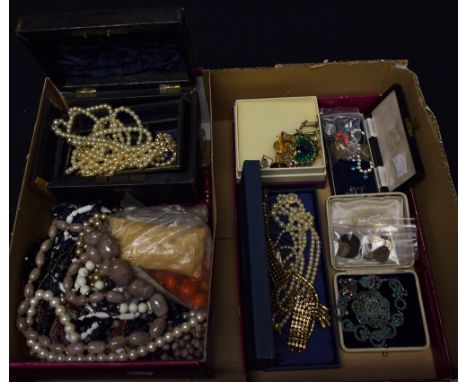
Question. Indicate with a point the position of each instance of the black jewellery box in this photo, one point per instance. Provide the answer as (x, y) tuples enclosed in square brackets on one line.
[(390, 142), (265, 348), (139, 59)]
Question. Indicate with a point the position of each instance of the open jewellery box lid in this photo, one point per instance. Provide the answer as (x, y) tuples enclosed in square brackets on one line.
[(356, 214), (112, 49), (254, 265), (392, 142)]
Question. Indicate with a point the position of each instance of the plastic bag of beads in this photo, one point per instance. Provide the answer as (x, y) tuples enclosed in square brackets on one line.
[(375, 242), (344, 133), (172, 244)]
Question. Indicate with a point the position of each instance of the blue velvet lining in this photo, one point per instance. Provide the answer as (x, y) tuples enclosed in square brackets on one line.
[(347, 181), (119, 59), (322, 347)]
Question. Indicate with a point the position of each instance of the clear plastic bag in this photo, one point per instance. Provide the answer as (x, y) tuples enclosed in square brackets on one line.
[(342, 129), (375, 241), (172, 245)]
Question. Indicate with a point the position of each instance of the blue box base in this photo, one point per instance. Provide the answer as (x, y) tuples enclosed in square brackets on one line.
[(322, 350)]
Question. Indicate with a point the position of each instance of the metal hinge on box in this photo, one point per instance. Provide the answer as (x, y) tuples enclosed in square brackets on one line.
[(170, 88), (85, 93)]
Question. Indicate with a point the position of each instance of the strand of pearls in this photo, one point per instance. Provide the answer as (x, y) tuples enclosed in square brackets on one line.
[(111, 146), (119, 348), (294, 222)]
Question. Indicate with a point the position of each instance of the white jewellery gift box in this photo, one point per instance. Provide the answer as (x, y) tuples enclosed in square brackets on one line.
[(258, 123)]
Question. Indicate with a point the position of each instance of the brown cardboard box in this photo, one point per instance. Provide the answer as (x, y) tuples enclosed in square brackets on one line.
[(435, 196)]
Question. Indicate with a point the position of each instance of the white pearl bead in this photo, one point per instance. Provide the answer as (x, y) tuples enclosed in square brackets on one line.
[(193, 322), (99, 285), (111, 357), (89, 265), (80, 281), (48, 295), (122, 356), (142, 307), (69, 328), (43, 354), (54, 302), (177, 332), (101, 357), (133, 307), (31, 311), (64, 319), (123, 308), (133, 355), (83, 272), (168, 337), (185, 327), (39, 294), (159, 342), (74, 337), (34, 301)]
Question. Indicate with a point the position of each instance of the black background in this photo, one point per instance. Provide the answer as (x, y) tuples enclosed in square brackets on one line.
[(264, 33)]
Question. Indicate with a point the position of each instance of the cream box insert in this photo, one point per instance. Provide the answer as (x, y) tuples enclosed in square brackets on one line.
[(259, 122)]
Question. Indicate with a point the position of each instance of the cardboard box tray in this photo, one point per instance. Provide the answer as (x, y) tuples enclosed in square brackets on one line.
[(434, 197)]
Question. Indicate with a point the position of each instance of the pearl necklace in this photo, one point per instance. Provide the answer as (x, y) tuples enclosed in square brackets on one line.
[(137, 344), (111, 146), (294, 296)]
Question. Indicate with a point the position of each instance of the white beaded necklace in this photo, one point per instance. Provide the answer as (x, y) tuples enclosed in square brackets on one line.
[(294, 221), (112, 146)]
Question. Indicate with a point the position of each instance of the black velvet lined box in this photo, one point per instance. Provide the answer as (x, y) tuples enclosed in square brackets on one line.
[(140, 59), (412, 334)]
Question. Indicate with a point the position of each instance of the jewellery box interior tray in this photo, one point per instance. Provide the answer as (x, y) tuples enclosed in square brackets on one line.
[(266, 348), (258, 123), (140, 60), (390, 141), (378, 295)]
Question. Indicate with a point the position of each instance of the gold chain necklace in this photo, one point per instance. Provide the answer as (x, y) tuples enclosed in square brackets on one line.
[(294, 297), (112, 146)]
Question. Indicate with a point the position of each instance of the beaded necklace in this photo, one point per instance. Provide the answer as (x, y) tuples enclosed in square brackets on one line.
[(294, 297), (111, 146), (95, 248)]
